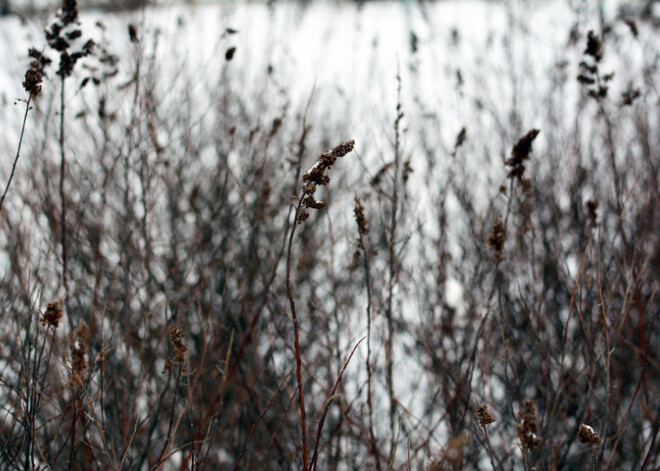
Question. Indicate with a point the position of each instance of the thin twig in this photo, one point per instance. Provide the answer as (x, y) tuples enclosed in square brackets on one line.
[(261, 416), (18, 152), (370, 407), (65, 279), (326, 407), (294, 316)]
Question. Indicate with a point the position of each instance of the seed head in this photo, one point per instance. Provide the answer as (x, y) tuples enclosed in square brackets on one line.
[(132, 33), (497, 238), (528, 428), (316, 176), (594, 47), (78, 348), (484, 416), (588, 436), (360, 218), (52, 316), (176, 337), (33, 79), (520, 153), (592, 212)]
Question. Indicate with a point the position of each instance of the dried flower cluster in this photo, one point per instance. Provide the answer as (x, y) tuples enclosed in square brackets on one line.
[(594, 47), (528, 428), (520, 153), (78, 347), (52, 316), (484, 416), (588, 436), (460, 139), (629, 96), (34, 75), (61, 35), (592, 212), (360, 218), (176, 338), (33, 78), (132, 33), (497, 239), (407, 170), (589, 75), (317, 176), (363, 229)]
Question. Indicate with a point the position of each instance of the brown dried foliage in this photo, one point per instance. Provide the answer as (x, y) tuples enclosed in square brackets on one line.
[(528, 429), (52, 316), (78, 350), (484, 416)]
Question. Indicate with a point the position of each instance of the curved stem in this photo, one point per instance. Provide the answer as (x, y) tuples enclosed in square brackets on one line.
[(18, 152), (294, 316)]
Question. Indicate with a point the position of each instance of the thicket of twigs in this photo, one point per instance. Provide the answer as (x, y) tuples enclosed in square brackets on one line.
[(182, 290)]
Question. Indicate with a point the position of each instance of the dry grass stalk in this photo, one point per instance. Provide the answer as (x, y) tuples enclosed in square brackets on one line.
[(317, 175)]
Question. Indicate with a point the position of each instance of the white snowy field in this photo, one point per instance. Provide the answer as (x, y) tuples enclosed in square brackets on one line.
[(490, 67), (494, 60)]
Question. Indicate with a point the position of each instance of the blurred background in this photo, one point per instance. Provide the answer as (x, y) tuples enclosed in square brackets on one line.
[(506, 159)]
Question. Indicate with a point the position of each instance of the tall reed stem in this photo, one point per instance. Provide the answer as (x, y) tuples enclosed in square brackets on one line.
[(292, 303), (65, 279)]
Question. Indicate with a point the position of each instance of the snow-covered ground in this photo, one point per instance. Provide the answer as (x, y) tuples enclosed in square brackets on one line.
[(467, 54), (457, 60)]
